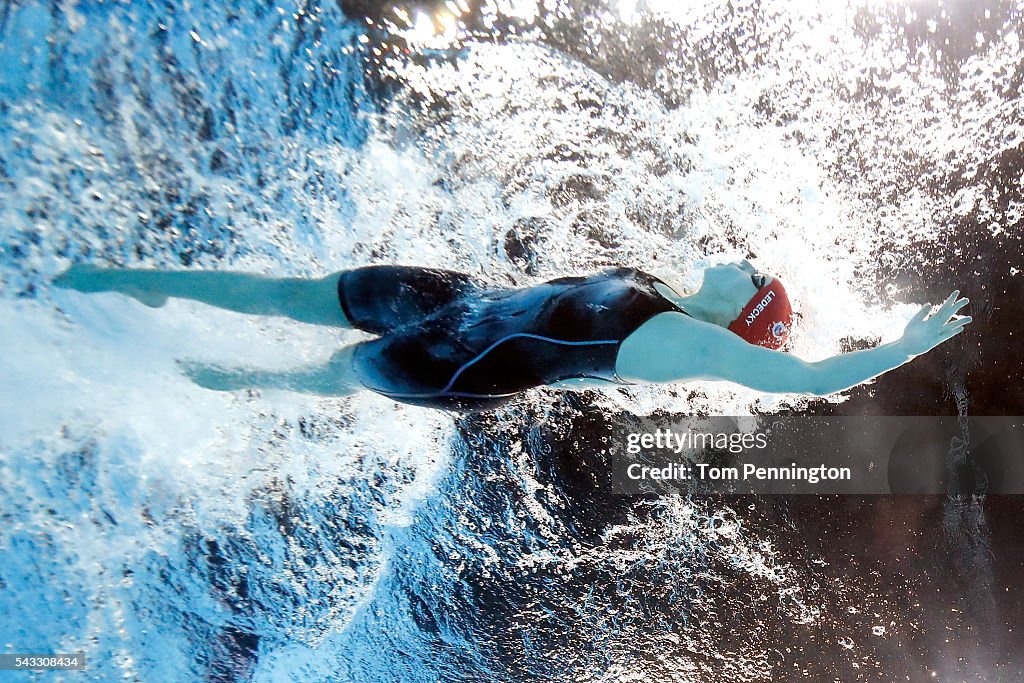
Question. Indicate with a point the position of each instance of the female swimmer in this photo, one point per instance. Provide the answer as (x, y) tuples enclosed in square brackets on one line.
[(445, 340)]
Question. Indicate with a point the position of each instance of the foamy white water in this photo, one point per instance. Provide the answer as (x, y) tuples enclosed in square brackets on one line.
[(174, 533)]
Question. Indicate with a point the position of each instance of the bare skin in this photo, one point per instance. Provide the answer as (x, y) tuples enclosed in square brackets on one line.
[(312, 301), (333, 378), (668, 348), (672, 347)]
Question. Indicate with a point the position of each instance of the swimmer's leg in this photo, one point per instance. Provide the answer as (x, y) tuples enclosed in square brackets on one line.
[(313, 301), (334, 378)]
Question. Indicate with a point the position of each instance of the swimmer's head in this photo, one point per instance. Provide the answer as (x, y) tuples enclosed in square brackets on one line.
[(767, 318), (760, 309)]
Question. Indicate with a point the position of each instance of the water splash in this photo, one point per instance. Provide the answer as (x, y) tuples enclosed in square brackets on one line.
[(966, 528), (273, 537)]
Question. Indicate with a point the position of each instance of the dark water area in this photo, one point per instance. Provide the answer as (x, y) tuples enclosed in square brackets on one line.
[(934, 578), (949, 566), (956, 559), (259, 537), (966, 580)]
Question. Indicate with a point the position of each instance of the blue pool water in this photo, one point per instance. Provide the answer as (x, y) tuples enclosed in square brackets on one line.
[(177, 534)]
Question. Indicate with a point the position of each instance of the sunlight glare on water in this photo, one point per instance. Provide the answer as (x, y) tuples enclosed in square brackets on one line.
[(312, 539)]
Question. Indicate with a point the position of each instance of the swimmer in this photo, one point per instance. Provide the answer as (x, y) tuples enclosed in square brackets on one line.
[(445, 340)]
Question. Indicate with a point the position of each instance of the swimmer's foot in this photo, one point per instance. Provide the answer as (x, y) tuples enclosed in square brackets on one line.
[(83, 277), (215, 377)]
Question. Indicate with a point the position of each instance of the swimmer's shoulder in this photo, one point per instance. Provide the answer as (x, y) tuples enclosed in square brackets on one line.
[(667, 347)]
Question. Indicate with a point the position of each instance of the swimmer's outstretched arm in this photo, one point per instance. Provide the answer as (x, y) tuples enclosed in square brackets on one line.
[(313, 301), (686, 349), (333, 378)]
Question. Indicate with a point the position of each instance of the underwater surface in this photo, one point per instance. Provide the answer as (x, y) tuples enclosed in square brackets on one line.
[(868, 152)]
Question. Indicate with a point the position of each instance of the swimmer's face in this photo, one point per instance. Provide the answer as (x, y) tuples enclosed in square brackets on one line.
[(732, 283)]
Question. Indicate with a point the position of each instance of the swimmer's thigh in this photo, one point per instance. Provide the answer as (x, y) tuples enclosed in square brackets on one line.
[(379, 299), (414, 366)]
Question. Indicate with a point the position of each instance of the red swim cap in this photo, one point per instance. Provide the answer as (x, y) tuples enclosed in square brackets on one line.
[(767, 318)]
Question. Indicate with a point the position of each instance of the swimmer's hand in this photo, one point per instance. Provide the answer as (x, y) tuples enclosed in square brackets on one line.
[(84, 277), (925, 332)]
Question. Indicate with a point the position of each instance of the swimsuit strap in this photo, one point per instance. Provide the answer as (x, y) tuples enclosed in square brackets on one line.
[(650, 281), (656, 280)]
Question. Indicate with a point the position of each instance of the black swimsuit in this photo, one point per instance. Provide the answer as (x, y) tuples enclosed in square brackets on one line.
[(450, 342)]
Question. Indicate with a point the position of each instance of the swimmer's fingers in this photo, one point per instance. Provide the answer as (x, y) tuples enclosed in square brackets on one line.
[(955, 306), (957, 323), (949, 306), (931, 326), (947, 310), (943, 318), (952, 329), (949, 334), (921, 314)]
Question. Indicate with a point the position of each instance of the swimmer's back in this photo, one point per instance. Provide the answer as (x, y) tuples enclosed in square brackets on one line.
[(451, 342)]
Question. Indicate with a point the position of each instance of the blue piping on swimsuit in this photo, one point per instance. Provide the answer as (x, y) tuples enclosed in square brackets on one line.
[(446, 390)]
